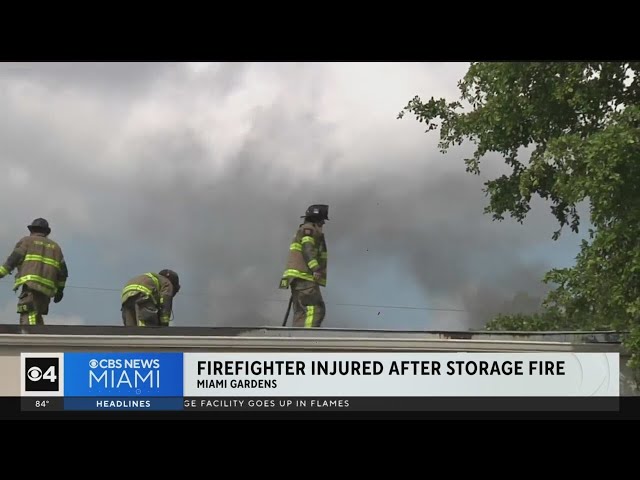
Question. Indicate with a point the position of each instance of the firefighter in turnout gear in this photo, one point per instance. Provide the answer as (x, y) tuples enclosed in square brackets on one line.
[(306, 269), (147, 300), (41, 271)]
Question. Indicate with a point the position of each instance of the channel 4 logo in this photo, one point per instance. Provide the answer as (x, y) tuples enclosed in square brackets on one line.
[(42, 374)]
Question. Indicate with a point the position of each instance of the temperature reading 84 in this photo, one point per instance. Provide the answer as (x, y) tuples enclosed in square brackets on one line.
[(40, 404)]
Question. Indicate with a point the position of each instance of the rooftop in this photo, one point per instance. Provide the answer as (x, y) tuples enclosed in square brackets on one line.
[(289, 338)]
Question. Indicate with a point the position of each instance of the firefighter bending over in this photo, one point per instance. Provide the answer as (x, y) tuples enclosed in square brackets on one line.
[(147, 300), (41, 272), (306, 269)]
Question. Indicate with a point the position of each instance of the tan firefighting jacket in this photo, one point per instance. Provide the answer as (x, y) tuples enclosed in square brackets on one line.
[(154, 286), (307, 254), (40, 264)]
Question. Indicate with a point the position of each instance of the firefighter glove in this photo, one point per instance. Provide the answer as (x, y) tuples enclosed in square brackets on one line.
[(317, 275), (58, 296)]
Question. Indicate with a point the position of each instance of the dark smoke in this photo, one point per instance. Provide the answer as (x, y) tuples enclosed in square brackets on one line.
[(228, 233)]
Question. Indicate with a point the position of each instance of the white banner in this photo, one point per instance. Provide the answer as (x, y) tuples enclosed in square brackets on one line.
[(401, 374)]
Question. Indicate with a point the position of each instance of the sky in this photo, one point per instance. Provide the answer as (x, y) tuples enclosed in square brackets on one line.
[(207, 168)]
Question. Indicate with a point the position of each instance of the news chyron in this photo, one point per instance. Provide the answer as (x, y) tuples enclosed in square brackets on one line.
[(364, 381)]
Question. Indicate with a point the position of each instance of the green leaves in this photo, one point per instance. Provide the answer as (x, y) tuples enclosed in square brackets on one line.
[(581, 122)]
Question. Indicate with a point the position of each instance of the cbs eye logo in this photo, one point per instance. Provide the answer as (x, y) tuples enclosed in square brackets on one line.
[(41, 374)]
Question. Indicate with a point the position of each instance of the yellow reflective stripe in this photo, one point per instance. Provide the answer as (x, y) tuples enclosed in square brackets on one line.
[(302, 275), (153, 277), (141, 323), (308, 321), (39, 258), (324, 255), (165, 318), (32, 318), (137, 288), (295, 246), (313, 264), (297, 274), (307, 239), (3, 270), (35, 278), (155, 280)]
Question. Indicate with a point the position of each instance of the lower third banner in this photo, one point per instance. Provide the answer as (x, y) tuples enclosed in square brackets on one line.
[(321, 381)]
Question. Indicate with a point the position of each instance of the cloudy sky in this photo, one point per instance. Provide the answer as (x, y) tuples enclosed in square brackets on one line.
[(206, 169)]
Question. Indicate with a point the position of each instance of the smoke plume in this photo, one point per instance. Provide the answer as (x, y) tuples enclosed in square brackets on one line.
[(207, 171)]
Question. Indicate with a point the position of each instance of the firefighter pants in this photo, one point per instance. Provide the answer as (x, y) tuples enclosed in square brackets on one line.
[(140, 312), (32, 306), (308, 304)]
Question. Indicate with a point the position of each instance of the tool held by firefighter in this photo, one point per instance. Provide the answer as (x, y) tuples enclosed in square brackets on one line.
[(41, 271), (306, 269), (286, 315), (147, 300)]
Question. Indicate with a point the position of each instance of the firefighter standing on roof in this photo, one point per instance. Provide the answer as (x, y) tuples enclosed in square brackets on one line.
[(41, 272), (147, 300), (306, 269)]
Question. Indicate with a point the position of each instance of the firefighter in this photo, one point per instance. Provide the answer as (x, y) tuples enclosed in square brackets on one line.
[(41, 272), (306, 269), (147, 300)]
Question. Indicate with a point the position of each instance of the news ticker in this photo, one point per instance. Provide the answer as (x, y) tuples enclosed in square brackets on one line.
[(319, 381)]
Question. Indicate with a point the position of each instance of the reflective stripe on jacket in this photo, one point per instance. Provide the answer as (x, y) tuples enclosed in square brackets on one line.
[(156, 287), (307, 254), (40, 264)]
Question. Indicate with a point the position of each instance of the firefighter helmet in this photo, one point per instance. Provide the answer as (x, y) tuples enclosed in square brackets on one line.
[(39, 224), (173, 278), (317, 211)]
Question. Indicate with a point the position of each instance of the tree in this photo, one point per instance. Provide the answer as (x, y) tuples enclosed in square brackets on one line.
[(580, 123)]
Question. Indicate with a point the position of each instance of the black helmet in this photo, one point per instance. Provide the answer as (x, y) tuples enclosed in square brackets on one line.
[(39, 224), (317, 211), (173, 278)]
